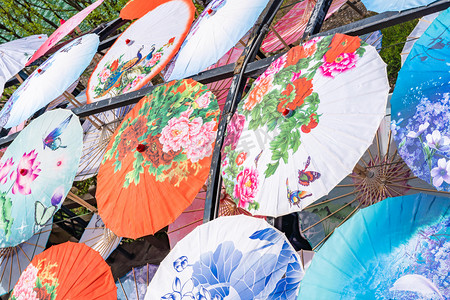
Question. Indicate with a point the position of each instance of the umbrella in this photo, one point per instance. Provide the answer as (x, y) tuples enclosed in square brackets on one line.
[(158, 159), (304, 124), (218, 28), (100, 238), (15, 259), (395, 249), (420, 106), (135, 9), (134, 284), (235, 257), (141, 51), (15, 54), (289, 29), (66, 271), (37, 172), (417, 32), (380, 6), (65, 28), (374, 38), (50, 80)]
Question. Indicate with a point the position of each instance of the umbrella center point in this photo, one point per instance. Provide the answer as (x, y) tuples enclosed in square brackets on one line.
[(140, 148), (23, 172), (287, 113)]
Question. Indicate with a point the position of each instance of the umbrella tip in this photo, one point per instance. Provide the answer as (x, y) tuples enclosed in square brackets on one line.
[(140, 148), (127, 41), (210, 11), (62, 21)]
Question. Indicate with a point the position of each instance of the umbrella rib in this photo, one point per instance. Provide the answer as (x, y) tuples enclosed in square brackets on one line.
[(24, 253), (329, 200), (388, 146), (6, 263), (403, 179), (135, 284), (34, 244), (193, 210), (186, 225), (123, 289), (422, 189)]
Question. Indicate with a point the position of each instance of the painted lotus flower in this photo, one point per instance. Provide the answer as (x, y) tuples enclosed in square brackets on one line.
[(246, 187), (441, 173), (27, 172), (234, 131), (438, 142), (204, 100), (257, 93), (23, 290), (344, 62), (4, 170)]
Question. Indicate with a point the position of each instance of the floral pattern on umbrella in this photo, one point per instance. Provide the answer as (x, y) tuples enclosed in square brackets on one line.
[(283, 100)]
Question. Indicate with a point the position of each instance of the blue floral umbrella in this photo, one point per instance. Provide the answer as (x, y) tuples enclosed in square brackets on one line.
[(380, 6), (421, 106), (134, 284), (36, 173), (395, 249), (234, 257)]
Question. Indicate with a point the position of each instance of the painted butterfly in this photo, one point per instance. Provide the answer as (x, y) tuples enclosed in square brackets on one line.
[(43, 214), (306, 177), (295, 197), (53, 141)]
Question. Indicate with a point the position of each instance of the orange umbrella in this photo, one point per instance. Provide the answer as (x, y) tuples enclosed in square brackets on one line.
[(158, 159), (134, 9), (66, 271)]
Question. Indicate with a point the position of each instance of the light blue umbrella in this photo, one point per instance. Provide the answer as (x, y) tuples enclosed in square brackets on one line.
[(380, 6), (395, 249), (134, 284), (49, 80), (421, 106), (36, 173)]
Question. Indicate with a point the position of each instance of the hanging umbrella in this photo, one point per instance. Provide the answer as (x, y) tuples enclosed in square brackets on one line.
[(420, 106), (49, 81), (15, 54), (218, 28), (290, 28), (13, 260), (141, 51), (100, 238), (61, 98), (395, 249), (380, 6), (135, 9), (66, 271), (36, 173), (158, 159), (417, 32), (236, 257), (63, 30), (134, 284), (304, 124)]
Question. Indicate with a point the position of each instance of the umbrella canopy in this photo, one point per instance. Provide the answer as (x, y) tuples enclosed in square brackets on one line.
[(66, 271), (63, 30), (395, 249), (135, 9), (218, 28), (13, 260), (421, 107), (50, 80), (290, 28), (134, 284), (380, 6), (15, 54), (100, 238), (36, 173), (235, 257), (141, 51), (304, 124), (158, 159), (417, 32)]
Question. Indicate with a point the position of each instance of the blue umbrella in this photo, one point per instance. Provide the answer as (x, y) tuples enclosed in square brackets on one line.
[(380, 6), (134, 284), (36, 173), (395, 249), (421, 106)]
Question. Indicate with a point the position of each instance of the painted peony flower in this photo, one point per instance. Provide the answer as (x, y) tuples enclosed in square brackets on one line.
[(246, 187), (241, 158), (4, 170), (104, 74), (204, 100), (201, 143), (234, 131), (341, 44), (422, 128), (137, 80), (302, 87), (27, 172), (155, 58), (274, 68), (342, 63), (438, 142), (257, 93), (23, 290), (441, 173)]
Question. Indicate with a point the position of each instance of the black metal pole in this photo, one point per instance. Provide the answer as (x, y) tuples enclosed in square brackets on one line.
[(317, 17)]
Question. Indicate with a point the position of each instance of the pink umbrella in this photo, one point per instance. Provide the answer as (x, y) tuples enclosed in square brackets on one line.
[(63, 30), (292, 25)]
